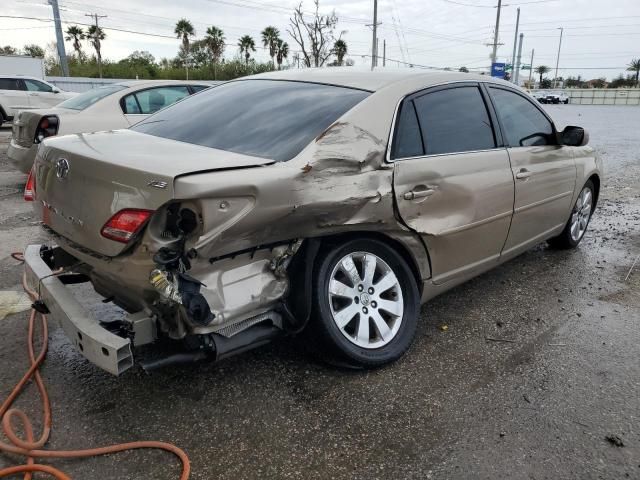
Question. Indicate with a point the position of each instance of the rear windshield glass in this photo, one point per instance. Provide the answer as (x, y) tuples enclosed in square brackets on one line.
[(264, 118), (86, 99)]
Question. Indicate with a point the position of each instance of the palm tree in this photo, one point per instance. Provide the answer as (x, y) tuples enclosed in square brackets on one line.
[(340, 50), (215, 42), (541, 70), (75, 34), (95, 36), (282, 51), (184, 29), (270, 37), (634, 66), (247, 45)]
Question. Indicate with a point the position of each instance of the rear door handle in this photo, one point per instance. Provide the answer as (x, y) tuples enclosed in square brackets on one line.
[(523, 174), (412, 194)]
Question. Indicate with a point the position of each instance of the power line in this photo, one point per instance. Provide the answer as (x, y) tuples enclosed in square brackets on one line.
[(565, 21)]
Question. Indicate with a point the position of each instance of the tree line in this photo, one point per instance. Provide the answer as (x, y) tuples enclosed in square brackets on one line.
[(204, 58)]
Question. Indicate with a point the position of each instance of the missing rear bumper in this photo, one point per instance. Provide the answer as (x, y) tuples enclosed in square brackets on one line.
[(101, 347)]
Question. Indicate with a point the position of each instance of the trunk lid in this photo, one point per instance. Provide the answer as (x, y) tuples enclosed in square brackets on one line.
[(82, 180)]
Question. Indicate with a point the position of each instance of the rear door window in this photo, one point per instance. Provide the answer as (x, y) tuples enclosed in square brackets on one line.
[(454, 120), (408, 139), (131, 105), (9, 84), (264, 118), (523, 124), (151, 100)]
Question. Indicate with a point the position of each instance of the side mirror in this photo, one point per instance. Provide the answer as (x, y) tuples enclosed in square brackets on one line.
[(55, 90), (574, 136)]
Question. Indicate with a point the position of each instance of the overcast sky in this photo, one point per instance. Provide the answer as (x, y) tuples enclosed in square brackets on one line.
[(600, 37)]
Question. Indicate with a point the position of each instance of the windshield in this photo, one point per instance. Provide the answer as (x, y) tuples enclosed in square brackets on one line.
[(264, 118), (86, 99)]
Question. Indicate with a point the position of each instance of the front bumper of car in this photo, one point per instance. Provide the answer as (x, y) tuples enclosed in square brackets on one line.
[(101, 347), (22, 157)]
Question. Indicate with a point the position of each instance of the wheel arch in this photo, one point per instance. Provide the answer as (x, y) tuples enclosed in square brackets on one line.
[(595, 179), (298, 303), (398, 246)]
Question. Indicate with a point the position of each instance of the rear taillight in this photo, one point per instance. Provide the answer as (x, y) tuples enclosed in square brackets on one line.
[(124, 225), (30, 188), (47, 127)]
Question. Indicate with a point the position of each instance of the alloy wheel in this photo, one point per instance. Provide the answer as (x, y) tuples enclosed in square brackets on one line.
[(581, 214), (365, 298)]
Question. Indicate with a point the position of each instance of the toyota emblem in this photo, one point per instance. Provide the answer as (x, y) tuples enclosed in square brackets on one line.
[(62, 168)]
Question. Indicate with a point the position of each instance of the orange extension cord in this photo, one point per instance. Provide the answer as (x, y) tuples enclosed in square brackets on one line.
[(31, 448)]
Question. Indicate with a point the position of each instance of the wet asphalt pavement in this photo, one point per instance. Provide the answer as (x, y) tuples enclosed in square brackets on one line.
[(521, 373)]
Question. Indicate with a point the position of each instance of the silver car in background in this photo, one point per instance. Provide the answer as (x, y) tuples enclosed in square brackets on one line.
[(118, 105)]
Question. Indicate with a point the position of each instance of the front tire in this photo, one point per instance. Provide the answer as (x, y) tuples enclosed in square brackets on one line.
[(578, 222), (366, 305)]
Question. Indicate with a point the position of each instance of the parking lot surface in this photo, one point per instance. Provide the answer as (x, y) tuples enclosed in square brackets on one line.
[(521, 373)]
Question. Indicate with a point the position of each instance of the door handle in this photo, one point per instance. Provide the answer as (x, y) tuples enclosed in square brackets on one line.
[(412, 194), (523, 174)]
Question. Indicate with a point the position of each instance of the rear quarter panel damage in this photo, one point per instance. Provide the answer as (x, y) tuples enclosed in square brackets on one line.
[(339, 184)]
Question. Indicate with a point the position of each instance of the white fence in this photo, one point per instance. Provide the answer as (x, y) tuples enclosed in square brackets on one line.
[(603, 96), (81, 84)]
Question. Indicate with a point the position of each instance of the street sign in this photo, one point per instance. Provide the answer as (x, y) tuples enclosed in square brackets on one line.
[(497, 70), (525, 67)]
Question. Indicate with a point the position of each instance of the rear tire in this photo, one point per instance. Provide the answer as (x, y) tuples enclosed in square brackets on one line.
[(579, 219), (365, 305)]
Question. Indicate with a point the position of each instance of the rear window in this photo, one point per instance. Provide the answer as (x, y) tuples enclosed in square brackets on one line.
[(264, 118), (86, 99)]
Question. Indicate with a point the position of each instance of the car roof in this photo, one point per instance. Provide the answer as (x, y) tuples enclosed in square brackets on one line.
[(21, 77), (373, 80), (155, 83)]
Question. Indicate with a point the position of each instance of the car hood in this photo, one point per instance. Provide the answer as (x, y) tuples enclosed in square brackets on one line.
[(110, 171)]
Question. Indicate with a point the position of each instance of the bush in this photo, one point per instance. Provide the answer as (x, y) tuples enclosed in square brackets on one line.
[(142, 67)]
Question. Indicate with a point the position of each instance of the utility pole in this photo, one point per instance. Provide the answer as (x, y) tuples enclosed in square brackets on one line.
[(495, 35), (555, 79), (62, 54), (375, 34), (377, 50), (515, 41), (384, 52), (531, 67), (96, 38), (517, 66)]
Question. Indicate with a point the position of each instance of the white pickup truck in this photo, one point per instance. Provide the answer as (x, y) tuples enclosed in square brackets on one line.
[(24, 93)]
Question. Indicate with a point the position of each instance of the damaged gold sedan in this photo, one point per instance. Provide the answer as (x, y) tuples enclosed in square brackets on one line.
[(328, 203)]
